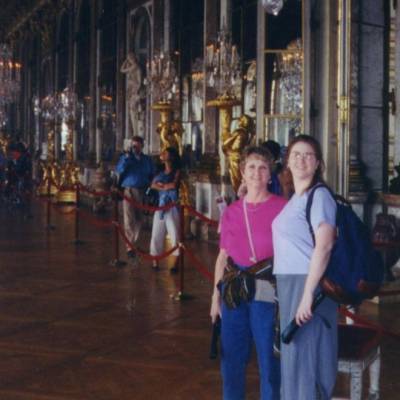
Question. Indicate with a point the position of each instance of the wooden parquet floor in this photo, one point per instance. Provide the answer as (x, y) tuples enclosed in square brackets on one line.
[(74, 328)]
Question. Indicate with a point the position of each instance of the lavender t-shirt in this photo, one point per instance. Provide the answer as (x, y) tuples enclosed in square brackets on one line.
[(234, 238), (293, 244)]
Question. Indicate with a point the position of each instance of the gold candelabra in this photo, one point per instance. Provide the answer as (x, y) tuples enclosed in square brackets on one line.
[(69, 171), (161, 74), (50, 168), (4, 142), (224, 75)]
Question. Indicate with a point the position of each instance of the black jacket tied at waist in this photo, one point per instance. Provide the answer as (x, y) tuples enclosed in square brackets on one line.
[(239, 284)]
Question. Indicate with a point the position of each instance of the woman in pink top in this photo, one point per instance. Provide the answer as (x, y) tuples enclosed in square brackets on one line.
[(243, 296)]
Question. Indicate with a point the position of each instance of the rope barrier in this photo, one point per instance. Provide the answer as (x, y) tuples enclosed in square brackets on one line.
[(385, 293), (183, 249), (369, 324), (210, 221), (198, 265), (94, 220), (96, 193), (146, 207), (142, 254)]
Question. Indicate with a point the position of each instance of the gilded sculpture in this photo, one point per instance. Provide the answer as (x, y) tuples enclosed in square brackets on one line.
[(170, 135), (233, 145)]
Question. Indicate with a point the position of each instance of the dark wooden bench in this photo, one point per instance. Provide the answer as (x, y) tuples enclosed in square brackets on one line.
[(358, 350)]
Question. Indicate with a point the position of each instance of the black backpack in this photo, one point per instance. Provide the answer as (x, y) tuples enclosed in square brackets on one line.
[(355, 270)]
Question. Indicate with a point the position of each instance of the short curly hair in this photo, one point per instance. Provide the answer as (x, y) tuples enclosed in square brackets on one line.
[(259, 152)]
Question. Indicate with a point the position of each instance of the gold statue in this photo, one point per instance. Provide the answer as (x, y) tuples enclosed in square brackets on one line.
[(50, 146), (50, 173), (233, 145), (177, 133), (170, 136), (4, 142), (49, 168)]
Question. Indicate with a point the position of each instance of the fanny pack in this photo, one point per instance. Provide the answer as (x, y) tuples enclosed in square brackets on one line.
[(247, 284)]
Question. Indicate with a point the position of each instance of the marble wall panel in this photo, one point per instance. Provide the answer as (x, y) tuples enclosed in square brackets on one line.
[(372, 11), (371, 67), (371, 144)]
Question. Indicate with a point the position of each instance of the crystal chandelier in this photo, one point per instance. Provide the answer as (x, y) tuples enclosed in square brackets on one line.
[(272, 6), (291, 82), (50, 107), (223, 65), (161, 74), (67, 102), (10, 76)]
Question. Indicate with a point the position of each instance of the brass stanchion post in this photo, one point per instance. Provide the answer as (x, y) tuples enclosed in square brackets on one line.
[(49, 226), (116, 262), (181, 295), (77, 241)]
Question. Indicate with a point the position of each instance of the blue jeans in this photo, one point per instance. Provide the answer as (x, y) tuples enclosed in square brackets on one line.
[(250, 321)]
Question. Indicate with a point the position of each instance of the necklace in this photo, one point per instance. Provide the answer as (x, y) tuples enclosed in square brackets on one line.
[(253, 257)]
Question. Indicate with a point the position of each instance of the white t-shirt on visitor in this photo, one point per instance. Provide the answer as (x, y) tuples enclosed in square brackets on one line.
[(292, 241)]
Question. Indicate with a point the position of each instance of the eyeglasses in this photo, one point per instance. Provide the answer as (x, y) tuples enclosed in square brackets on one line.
[(302, 156)]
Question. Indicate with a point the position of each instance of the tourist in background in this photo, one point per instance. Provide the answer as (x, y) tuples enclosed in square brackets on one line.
[(135, 171), (167, 185)]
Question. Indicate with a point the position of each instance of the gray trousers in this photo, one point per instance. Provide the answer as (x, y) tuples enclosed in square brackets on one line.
[(309, 362), (133, 217), (161, 226)]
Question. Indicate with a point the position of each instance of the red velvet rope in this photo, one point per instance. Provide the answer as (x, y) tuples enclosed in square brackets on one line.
[(384, 293), (201, 216), (198, 265), (142, 254), (95, 221), (148, 208), (363, 321), (96, 193)]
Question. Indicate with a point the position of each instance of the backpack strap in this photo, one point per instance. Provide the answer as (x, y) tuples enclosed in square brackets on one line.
[(309, 204)]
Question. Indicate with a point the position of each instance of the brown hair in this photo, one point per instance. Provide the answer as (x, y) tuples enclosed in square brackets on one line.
[(258, 151), (138, 139), (287, 177)]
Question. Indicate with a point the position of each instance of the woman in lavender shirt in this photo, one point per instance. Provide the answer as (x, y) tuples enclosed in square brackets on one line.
[(309, 362)]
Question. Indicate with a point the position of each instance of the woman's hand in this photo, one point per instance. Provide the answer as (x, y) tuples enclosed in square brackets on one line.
[(215, 310), (157, 185), (304, 313), (324, 240)]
